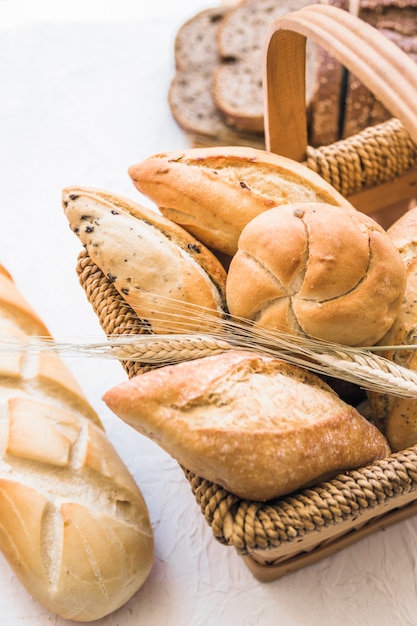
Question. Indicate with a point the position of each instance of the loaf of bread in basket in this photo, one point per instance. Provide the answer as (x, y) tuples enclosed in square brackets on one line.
[(244, 420)]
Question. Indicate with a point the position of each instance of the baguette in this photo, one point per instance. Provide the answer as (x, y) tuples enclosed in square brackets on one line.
[(214, 192), (250, 423), (159, 269), (397, 417), (74, 525)]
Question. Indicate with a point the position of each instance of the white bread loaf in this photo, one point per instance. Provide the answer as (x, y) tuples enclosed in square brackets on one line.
[(397, 417), (253, 424), (161, 271), (74, 525), (317, 270), (214, 192)]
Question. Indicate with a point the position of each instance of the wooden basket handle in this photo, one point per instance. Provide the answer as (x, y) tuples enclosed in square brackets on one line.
[(377, 62)]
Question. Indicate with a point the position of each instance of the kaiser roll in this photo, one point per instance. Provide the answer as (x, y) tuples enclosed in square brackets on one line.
[(317, 270)]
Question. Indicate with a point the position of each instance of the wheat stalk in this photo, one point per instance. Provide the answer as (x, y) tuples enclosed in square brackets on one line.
[(354, 365), (360, 366)]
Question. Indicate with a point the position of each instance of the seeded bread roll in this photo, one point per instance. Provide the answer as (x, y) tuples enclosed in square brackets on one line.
[(397, 417), (253, 424), (156, 266), (313, 269), (214, 192), (74, 528)]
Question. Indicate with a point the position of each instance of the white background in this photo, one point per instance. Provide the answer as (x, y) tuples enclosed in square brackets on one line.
[(83, 95)]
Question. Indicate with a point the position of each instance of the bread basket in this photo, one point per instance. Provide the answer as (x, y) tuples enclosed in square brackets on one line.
[(377, 170)]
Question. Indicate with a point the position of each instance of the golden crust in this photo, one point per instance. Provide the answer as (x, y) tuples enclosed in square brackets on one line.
[(253, 424), (157, 267), (62, 480), (214, 192), (397, 417), (322, 271)]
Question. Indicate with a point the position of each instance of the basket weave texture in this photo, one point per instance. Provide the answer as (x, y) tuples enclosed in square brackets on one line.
[(374, 156), (250, 526)]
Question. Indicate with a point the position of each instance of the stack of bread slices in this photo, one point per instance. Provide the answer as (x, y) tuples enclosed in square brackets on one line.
[(216, 94)]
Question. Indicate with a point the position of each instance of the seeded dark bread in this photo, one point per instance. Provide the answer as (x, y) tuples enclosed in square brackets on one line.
[(253, 424), (396, 20), (161, 270)]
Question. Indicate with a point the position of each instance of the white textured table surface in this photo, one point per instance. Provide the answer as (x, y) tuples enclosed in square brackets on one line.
[(83, 96)]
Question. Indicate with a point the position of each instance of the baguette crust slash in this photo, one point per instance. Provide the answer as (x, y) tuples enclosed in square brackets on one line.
[(75, 528)]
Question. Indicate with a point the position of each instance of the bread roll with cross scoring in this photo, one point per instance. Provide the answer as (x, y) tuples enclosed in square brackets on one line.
[(257, 426), (214, 192), (74, 525), (320, 271), (161, 271)]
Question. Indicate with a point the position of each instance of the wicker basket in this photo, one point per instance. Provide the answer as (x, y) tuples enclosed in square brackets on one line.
[(375, 169)]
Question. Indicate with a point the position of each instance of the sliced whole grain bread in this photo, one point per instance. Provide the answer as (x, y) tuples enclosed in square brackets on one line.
[(237, 93), (195, 44), (217, 92), (190, 92), (241, 38), (192, 106)]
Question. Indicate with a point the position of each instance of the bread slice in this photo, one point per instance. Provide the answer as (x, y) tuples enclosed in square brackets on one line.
[(195, 45), (190, 95), (192, 106), (237, 86), (250, 423), (237, 93)]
